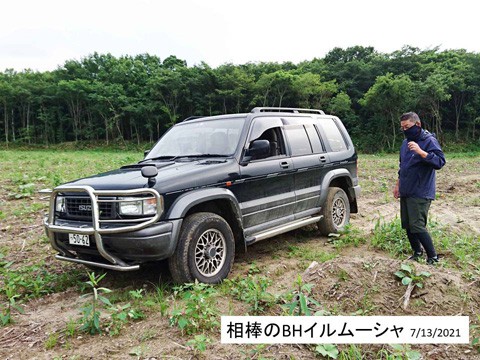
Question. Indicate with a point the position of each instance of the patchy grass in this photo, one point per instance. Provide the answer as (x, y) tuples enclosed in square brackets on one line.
[(356, 273)]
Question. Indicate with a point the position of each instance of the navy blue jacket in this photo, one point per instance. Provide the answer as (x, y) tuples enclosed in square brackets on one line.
[(417, 175)]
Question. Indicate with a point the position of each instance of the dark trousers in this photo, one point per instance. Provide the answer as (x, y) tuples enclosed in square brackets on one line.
[(414, 216)]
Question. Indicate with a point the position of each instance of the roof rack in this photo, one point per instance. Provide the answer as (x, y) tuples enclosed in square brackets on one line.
[(290, 110), (192, 118)]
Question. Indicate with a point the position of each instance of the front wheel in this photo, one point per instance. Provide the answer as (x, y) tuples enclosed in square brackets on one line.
[(205, 250), (335, 211)]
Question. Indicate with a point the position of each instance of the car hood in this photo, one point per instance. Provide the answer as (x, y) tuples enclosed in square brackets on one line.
[(172, 176)]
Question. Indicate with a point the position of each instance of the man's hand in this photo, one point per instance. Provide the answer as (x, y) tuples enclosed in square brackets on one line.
[(413, 146), (396, 191)]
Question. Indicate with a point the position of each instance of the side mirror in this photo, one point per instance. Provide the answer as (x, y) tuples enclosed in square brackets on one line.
[(259, 149), (150, 172)]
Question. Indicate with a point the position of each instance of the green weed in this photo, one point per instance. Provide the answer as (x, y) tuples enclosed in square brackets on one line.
[(199, 312), (367, 305), (51, 341), (349, 237), (199, 344), (327, 350), (71, 328), (298, 301), (399, 352), (255, 353), (253, 291), (90, 312), (160, 298), (11, 294), (139, 351), (351, 353), (475, 332), (149, 334), (408, 275), (120, 315), (390, 237), (28, 282)]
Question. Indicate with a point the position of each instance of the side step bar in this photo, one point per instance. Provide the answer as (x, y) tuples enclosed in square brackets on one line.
[(282, 229), (98, 264)]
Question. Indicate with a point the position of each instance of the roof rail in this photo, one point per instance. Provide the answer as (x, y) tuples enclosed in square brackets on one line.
[(192, 118), (291, 110)]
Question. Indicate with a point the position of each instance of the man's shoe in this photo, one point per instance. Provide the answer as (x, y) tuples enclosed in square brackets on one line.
[(416, 256), (432, 260)]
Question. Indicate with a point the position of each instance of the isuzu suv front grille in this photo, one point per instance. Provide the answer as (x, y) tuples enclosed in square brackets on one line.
[(80, 208)]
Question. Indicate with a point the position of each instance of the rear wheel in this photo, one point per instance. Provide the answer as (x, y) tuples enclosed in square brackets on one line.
[(335, 211), (205, 250)]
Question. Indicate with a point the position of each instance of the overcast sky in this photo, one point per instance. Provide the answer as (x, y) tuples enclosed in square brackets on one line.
[(43, 34)]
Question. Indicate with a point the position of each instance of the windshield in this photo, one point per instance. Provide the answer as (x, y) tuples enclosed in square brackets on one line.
[(212, 137)]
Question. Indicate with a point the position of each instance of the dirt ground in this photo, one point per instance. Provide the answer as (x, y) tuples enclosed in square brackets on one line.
[(358, 278)]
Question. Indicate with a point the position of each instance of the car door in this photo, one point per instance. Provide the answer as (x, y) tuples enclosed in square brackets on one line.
[(266, 194), (310, 162)]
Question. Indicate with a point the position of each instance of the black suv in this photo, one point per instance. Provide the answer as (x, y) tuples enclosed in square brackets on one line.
[(209, 185)]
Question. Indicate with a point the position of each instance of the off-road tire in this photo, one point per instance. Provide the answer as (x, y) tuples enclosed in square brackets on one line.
[(205, 250), (335, 211)]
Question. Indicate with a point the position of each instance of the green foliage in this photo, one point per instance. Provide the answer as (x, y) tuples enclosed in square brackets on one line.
[(71, 328), (253, 291), (349, 237), (90, 312), (408, 275), (51, 341), (131, 100), (120, 315), (138, 351), (23, 191), (475, 333), (298, 301), (465, 248), (199, 312), (160, 298), (351, 353), (255, 352), (390, 236), (199, 344), (327, 350), (399, 352), (26, 282), (10, 291)]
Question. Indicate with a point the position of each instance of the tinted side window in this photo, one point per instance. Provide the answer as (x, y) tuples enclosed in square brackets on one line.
[(314, 139), (333, 134), (298, 139)]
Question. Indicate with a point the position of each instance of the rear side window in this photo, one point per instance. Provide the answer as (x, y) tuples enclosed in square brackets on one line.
[(333, 135), (314, 139), (298, 139)]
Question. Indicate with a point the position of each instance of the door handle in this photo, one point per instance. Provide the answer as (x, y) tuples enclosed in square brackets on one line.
[(284, 165), (323, 159)]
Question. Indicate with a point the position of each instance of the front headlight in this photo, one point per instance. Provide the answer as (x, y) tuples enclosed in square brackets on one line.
[(133, 206), (60, 205)]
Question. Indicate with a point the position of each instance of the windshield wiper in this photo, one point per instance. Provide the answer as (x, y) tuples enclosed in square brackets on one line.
[(201, 156), (165, 157), (175, 157)]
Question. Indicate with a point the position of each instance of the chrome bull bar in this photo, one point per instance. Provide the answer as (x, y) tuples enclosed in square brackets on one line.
[(96, 230)]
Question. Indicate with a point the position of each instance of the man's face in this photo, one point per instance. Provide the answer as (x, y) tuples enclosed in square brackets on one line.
[(406, 124)]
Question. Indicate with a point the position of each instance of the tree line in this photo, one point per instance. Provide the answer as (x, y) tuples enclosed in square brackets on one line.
[(137, 98)]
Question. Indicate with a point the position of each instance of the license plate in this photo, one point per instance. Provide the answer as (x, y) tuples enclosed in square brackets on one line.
[(78, 239)]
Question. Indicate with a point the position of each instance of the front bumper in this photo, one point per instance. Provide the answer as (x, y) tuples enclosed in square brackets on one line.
[(117, 244)]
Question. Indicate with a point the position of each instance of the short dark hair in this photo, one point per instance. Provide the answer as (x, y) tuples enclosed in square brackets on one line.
[(410, 116)]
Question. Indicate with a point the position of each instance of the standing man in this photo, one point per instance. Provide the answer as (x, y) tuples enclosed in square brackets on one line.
[(420, 156)]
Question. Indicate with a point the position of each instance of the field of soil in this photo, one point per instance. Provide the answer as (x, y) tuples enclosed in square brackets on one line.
[(348, 274)]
